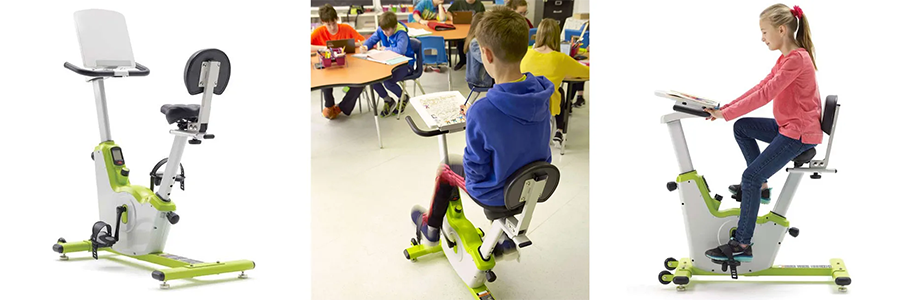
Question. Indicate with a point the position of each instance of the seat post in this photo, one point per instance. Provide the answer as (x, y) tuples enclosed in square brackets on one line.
[(168, 179), (787, 194)]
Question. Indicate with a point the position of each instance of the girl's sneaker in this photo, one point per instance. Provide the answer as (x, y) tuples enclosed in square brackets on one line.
[(431, 235), (765, 194), (732, 249), (579, 102), (390, 106)]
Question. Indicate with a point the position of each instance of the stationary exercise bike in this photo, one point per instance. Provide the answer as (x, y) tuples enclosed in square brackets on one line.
[(708, 227), (135, 220), (472, 253)]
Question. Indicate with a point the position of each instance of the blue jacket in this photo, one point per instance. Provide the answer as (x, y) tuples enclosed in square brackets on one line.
[(475, 73), (398, 42), (505, 131)]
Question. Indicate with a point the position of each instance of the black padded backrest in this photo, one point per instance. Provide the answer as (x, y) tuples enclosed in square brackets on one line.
[(830, 113), (195, 65), (539, 170)]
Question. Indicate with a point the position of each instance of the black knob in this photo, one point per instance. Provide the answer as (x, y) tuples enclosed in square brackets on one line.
[(815, 176), (718, 197), (490, 276), (92, 155), (671, 186), (173, 217), (794, 231), (194, 142), (125, 172)]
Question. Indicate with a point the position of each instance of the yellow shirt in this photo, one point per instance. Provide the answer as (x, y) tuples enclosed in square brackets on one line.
[(555, 66)]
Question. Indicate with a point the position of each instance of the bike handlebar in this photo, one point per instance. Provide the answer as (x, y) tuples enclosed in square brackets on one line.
[(420, 132), (690, 111), (141, 71)]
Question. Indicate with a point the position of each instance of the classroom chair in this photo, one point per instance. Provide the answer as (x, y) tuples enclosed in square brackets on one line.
[(531, 35), (417, 71), (434, 54), (478, 90)]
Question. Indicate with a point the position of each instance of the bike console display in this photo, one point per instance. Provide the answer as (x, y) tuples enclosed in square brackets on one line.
[(117, 157)]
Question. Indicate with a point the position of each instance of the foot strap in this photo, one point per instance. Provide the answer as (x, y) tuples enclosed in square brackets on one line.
[(730, 263)]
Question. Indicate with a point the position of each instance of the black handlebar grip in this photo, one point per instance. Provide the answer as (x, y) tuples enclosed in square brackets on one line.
[(690, 111), (141, 71), (420, 132)]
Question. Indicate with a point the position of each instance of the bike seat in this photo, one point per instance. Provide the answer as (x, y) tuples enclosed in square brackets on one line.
[(176, 112), (805, 157), (500, 212)]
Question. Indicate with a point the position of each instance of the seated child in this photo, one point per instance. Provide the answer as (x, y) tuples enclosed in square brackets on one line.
[(505, 131), (520, 7), (328, 32), (430, 10), (393, 36), (476, 75), (474, 6), (546, 60)]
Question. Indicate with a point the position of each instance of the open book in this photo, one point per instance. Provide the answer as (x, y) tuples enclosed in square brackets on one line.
[(386, 57)]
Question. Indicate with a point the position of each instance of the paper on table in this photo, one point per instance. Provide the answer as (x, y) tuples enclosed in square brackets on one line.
[(414, 32), (385, 56)]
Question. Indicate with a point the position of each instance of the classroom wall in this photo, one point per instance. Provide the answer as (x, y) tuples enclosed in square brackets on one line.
[(581, 6)]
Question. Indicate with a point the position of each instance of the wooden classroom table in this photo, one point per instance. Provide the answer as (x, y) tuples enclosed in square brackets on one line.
[(358, 73), (458, 34)]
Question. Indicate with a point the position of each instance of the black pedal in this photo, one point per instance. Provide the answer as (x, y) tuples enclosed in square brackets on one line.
[(729, 264), (101, 237)]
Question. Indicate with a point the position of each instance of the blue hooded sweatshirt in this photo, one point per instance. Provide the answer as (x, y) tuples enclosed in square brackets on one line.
[(398, 42), (505, 131)]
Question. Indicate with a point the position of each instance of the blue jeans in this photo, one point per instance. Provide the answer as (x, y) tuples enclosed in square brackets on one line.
[(391, 83), (760, 166)]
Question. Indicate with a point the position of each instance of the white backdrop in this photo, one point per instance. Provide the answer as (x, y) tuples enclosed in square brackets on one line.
[(247, 191), (713, 49)]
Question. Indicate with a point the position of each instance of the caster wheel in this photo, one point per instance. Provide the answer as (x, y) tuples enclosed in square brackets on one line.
[(61, 241), (490, 276), (413, 242), (671, 186), (662, 277), (669, 265)]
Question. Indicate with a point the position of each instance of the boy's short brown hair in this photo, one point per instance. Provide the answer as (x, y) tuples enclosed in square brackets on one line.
[(387, 20), (504, 32), (327, 13)]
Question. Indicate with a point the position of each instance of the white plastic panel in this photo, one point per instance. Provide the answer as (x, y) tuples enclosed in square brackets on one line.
[(104, 39)]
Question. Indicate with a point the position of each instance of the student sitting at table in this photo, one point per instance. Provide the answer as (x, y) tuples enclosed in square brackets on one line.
[(430, 10), (476, 75), (331, 30), (475, 6), (393, 37), (521, 7), (546, 60)]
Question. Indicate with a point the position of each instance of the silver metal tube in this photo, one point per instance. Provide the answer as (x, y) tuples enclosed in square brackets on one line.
[(442, 148), (681, 149), (377, 127), (209, 83), (490, 239), (165, 188), (102, 112), (787, 194)]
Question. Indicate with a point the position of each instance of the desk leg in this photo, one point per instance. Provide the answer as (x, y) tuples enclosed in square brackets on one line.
[(375, 112), (565, 112)]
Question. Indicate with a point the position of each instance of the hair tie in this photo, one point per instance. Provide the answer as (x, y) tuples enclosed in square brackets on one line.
[(797, 12)]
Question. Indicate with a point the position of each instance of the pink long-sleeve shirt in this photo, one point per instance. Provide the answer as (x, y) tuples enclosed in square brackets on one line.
[(797, 108)]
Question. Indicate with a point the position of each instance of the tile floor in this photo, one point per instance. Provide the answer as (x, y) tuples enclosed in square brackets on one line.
[(362, 196)]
